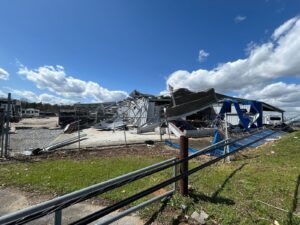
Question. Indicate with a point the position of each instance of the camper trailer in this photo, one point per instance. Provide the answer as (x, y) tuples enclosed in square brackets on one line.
[(30, 112), (272, 120)]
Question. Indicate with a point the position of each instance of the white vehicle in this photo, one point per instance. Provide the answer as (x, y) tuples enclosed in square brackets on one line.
[(273, 120), (30, 112)]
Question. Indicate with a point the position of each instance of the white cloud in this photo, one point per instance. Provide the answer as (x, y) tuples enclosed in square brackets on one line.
[(4, 75), (284, 28), (54, 79), (202, 55), (3, 94), (239, 18), (277, 58), (280, 94), (44, 98)]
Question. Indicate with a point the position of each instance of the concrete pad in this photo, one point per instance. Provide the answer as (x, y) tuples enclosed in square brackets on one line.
[(13, 200), (97, 138)]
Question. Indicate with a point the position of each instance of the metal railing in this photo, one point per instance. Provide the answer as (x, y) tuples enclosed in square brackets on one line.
[(56, 205)]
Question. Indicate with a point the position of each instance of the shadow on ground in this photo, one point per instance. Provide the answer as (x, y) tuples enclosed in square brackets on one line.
[(214, 198), (295, 202)]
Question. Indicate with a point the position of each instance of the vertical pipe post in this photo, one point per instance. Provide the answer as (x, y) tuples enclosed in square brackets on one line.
[(184, 166), (57, 217), (2, 136), (226, 147), (124, 126), (2, 133), (125, 135), (160, 133), (174, 174), (7, 124)]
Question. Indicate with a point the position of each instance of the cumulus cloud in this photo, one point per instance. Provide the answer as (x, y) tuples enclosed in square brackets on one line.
[(284, 28), (277, 58), (4, 75), (44, 98), (202, 55), (280, 94), (2, 94), (239, 18), (55, 79)]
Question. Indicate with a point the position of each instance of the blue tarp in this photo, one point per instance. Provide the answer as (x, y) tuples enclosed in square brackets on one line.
[(266, 133)]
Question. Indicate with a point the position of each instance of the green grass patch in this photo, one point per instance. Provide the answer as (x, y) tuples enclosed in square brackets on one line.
[(64, 176)]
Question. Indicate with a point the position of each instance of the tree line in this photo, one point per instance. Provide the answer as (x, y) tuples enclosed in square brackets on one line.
[(44, 107)]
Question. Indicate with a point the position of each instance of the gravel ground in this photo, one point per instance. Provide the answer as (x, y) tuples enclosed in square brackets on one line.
[(32, 138)]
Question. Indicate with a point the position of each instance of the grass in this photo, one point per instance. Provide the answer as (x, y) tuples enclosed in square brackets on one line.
[(229, 193), (64, 176)]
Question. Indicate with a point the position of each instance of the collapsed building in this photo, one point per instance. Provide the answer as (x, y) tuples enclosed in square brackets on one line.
[(193, 114), (86, 113), (141, 111), (208, 109)]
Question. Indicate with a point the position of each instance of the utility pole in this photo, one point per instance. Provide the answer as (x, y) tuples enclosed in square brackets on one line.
[(7, 124)]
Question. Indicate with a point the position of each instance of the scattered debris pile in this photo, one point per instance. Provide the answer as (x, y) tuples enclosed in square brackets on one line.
[(54, 146), (140, 111)]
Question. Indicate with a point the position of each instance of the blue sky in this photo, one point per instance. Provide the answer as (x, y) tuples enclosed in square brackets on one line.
[(117, 46)]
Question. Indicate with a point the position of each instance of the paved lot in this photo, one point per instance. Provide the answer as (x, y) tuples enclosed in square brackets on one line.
[(97, 138), (13, 200)]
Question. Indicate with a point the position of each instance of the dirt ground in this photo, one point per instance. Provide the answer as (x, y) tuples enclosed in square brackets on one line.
[(159, 149), (13, 199)]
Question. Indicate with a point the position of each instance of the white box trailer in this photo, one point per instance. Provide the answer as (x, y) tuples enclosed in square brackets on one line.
[(30, 112), (272, 120)]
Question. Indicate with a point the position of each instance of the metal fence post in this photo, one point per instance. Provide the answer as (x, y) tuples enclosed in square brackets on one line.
[(184, 166), (78, 128), (175, 174), (2, 134), (57, 217)]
